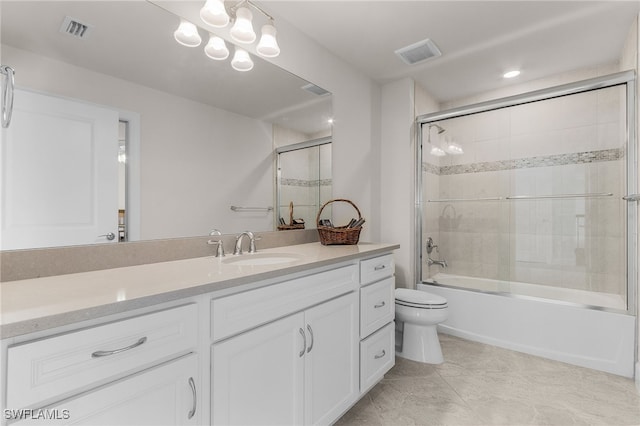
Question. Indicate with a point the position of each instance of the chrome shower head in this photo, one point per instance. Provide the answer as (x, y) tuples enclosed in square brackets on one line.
[(440, 129)]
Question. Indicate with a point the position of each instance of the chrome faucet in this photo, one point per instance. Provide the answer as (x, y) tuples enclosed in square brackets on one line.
[(442, 263), (220, 249), (430, 261), (252, 243)]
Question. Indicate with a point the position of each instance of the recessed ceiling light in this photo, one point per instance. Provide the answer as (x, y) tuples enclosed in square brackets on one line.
[(511, 74)]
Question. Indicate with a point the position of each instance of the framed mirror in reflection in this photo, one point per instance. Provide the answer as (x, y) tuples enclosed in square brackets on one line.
[(125, 135)]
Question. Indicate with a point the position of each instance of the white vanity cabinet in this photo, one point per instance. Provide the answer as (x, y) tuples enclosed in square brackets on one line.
[(162, 395), (377, 312), (300, 369), (140, 370)]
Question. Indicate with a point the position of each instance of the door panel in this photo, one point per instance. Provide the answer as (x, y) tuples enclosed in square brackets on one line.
[(59, 173), (332, 363), (257, 377)]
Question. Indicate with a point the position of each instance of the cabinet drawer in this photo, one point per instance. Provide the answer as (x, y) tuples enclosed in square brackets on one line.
[(57, 366), (240, 312), (377, 268), (377, 356), (377, 305)]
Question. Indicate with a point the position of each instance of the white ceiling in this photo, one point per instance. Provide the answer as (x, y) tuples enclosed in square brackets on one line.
[(479, 40)]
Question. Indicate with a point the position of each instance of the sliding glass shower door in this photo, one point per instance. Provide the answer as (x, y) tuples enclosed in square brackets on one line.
[(525, 196)]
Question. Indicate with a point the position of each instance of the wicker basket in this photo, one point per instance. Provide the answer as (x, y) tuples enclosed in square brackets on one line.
[(341, 234), (291, 225)]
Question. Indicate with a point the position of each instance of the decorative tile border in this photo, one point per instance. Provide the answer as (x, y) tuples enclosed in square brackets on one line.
[(524, 163), (305, 183)]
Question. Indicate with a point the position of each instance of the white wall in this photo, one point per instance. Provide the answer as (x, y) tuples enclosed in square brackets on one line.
[(397, 147), (190, 173)]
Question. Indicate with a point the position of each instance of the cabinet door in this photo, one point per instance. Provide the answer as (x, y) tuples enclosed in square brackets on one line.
[(332, 359), (164, 395), (258, 377)]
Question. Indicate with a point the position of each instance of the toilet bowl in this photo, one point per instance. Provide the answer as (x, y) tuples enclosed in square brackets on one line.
[(417, 315)]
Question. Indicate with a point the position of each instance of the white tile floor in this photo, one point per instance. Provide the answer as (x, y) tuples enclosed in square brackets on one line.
[(484, 385)]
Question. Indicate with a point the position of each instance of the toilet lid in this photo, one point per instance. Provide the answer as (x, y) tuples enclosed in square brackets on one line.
[(417, 297)]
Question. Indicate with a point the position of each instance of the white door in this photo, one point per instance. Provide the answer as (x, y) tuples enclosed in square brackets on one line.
[(332, 361), (165, 395), (258, 377), (59, 173)]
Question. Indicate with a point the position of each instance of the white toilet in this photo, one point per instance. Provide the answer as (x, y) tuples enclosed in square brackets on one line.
[(417, 315)]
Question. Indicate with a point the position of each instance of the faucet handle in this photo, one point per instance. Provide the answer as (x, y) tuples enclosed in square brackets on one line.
[(220, 249), (252, 244)]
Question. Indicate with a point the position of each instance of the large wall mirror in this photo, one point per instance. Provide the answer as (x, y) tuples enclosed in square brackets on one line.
[(124, 122)]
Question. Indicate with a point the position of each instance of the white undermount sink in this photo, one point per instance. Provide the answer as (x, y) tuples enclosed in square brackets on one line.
[(254, 259)]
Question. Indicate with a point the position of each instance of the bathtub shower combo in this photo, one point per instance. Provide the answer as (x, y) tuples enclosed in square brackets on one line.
[(526, 214)]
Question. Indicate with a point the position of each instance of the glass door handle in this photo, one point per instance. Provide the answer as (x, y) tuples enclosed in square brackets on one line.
[(632, 197)]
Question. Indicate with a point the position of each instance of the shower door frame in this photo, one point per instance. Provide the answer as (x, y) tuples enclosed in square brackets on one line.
[(627, 78)]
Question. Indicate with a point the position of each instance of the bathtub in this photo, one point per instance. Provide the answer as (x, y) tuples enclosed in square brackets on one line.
[(485, 311)]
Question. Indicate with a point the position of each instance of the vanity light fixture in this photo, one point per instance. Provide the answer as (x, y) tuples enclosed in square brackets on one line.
[(242, 30), (241, 60), (214, 13), (216, 48), (187, 34), (268, 45)]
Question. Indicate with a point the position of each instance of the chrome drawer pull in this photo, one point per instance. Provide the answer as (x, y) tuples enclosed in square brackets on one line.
[(311, 334), (192, 383), (304, 343), (380, 355), (98, 354), (379, 305), (379, 267)]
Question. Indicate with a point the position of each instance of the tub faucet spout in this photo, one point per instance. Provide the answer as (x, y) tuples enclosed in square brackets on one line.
[(442, 262)]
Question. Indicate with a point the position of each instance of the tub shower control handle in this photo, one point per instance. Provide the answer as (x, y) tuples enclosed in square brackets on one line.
[(98, 354), (379, 305), (310, 334), (380, 355), (304, 343), (192, 412)]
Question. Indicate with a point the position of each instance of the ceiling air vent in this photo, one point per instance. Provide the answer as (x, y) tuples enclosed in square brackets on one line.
[(74, 28), (316, 90), (418, 52)]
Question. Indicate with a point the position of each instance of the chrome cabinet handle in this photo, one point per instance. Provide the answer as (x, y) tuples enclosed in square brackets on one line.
[(192, 383), (304, 343), (380, 355), (110, 236), (379, 267), (311, 334), (632, 197), (7, 94), (98, 354), (379, 305)]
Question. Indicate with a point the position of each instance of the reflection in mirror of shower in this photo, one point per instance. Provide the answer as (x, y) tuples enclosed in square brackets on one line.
[(123, 131), (304, 178)]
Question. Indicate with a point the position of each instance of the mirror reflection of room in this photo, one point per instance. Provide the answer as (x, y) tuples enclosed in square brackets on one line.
[(189, 127)]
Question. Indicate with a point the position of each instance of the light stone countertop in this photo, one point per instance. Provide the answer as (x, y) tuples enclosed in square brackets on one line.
[(42, 303)]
